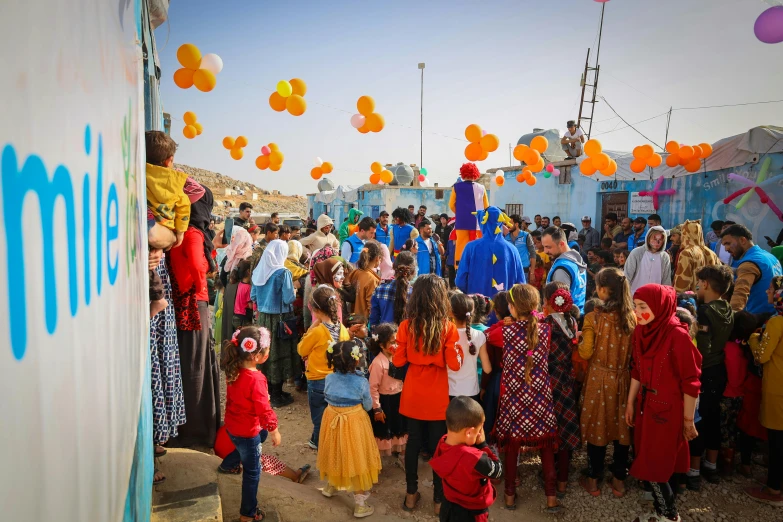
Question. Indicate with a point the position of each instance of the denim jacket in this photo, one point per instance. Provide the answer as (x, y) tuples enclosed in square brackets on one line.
[(277, 295), (347, 389)]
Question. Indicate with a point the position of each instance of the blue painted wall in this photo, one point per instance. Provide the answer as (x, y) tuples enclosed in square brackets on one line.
[(697, 197)]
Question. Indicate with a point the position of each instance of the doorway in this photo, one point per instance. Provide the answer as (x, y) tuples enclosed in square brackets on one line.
[(616, 202)]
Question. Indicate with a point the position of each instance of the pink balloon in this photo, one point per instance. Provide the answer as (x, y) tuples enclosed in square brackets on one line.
[(769, 25), (265, 150), (550, 168), (357, 121), (421, 178), (556, 172), (483, 132)]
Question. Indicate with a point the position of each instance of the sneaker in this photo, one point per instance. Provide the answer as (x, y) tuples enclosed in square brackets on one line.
[(286, 395), (312, 445), (363, 511), (329, 491), (280, 401), (710, 475), (693, 483)]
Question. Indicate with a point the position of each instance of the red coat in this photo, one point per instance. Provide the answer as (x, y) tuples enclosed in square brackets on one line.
[(667, 373), (462, 484)]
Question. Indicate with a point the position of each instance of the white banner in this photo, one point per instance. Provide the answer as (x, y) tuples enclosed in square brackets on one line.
[(641, 205), (73, 297)]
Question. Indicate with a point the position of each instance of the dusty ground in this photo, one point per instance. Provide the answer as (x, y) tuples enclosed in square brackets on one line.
[(293, 502)]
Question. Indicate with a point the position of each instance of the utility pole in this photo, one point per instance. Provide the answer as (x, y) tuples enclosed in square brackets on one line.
[(421, 127)]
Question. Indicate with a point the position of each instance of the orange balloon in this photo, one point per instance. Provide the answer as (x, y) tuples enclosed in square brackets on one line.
[(189, 118), (274, 167), (296, 105), (645, 151), (500, 180), (237, 153), (376, 167), (189, 56), (387, 176), (326, 167), (316, 173), (638, 165), (375, 178), (593, 147), (276, 157), (672, 160), (490, 143), (527, 173), (364, 129), (277, 102), (655, 160), (519, 152), (611, 169), (539, 143), (531, 180), (273, 147), (693, 165), (521, 177), (684, 161), (484, 155), (672, 147), (586, 167), (686, 152), (706, 150), (365, 105), (241, 141), (204, 80), (538, 167), (532, 156), (697, 152), (199, 128), (262, 162), (228, 142), (189, 132), (601, 160), (473, 151), (298, 86), (183, 78), (375, 122), (473, 133)]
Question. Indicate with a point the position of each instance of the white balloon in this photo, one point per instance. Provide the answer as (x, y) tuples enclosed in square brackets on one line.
[(318, 162), (212, 62), (357, 120)]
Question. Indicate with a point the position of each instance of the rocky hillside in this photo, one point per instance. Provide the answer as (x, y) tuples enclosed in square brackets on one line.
[(230, 192)]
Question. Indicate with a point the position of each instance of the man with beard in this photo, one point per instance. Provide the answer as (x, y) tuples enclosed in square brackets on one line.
[(638, 238), (755, 270), (623, 239), (520, 238), (568, 266), (382, 230)]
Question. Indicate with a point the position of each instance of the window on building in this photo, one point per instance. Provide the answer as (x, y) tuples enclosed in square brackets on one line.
[(565, 176), (327, 209), (514, 208), (439, 194)]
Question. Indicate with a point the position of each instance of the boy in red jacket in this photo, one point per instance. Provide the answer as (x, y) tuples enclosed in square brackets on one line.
[(466, 464)]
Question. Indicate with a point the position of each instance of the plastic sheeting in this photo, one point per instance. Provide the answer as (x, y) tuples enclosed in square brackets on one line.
[(348, 194), (555, 150)]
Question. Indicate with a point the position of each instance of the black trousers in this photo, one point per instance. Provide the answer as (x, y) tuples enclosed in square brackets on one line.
[(596, 456), (713, 384), (663, 499), (418, 432), (775, 458)]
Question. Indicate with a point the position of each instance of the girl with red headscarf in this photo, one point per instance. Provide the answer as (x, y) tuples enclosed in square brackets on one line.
[(664, 386)]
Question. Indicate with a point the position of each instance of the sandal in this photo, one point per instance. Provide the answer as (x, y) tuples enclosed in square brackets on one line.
[(161, 453), (583, 482), (415, 503), (160, 480), (618, 493), (260, 515), (233, 471), (554, 509), (303, 472), (513, 505)]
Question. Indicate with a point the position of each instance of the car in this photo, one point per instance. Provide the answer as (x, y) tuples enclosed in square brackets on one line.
[(289, 219)]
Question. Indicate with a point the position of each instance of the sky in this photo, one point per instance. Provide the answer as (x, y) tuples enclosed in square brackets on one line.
[(509, 66)]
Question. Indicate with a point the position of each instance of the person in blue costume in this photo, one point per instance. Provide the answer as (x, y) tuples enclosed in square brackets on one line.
[(490, 264)]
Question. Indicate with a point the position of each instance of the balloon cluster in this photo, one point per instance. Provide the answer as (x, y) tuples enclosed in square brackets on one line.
[(270, 158), (481, 143), (686, 155), (597, 160), (422, 174), (644, 156), (379, 174), (367, 120), (289, 96), (550, 171), (531, 155), (235, 146), (197, 70), (321, 167), (192, 127)]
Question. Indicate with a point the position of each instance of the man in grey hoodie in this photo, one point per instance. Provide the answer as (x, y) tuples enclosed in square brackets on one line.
[(568, 266), (649, 263)]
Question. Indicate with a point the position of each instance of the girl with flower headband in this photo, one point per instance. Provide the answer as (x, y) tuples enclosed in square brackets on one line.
[(561, 316), (606, 343), (767, 348), (388, 425), (526, 416), (465, 381), (348, 457), (325, 331), (248, 411)]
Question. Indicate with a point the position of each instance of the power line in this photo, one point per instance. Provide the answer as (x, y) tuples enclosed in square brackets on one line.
[(630, 125), (728, 105)]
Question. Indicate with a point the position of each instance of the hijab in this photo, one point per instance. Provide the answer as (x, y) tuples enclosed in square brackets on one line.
[(200, 216), (294, 251), (662, 301), (325, 270), (387, 268), (320, 255), (272, 260), (241, 247)]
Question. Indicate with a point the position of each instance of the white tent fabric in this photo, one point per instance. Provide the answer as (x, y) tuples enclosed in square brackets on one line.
[(727, 153), (348, 193)]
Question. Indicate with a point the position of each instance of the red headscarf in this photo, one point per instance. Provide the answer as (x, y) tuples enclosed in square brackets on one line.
[(662, 301)]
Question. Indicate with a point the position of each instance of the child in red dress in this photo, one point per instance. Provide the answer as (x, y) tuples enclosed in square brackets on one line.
[(466, 464)]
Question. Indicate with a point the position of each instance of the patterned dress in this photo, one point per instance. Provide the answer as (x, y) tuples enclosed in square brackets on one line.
[(168, 404), (526, 413), (564, 397)]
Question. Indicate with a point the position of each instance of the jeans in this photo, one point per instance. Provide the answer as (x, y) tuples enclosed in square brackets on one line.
[(248, 452), (417, 431), (317, 402)]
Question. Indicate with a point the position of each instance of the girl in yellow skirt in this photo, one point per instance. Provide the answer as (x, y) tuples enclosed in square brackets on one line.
[(348, 456)]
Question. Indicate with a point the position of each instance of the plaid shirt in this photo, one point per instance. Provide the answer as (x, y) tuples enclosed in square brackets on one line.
[(382, 303)]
